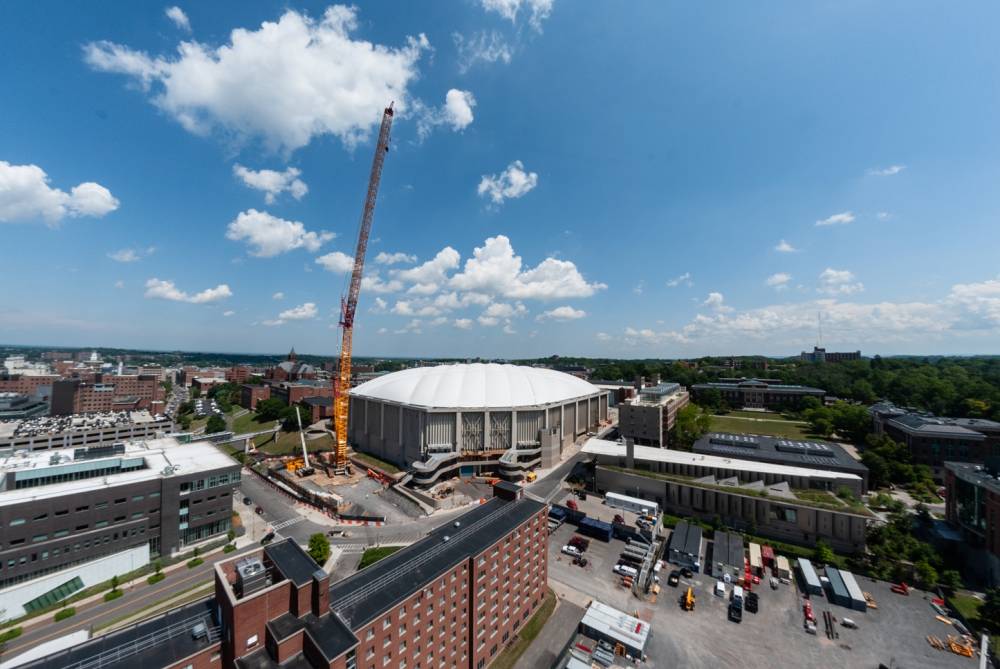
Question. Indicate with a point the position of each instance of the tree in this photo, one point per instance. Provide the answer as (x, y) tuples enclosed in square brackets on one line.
[(270, 410), (216, 423), (989, 612), (195, 393), (926, 575), (690, 425), (157, 567), (185, 420), (114, 582), (712, 400), (230, 535), (197, 551), (319, 548), (950, 580), (823, 554)]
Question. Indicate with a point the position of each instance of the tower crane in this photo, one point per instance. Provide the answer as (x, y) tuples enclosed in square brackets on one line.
[(348, 304)]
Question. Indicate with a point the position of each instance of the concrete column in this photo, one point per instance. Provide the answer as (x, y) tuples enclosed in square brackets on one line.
[(562, 425), (589, 423), (381, 421), (513, 428), (629, 453), (458, 431), (400, 437), (487, 432)]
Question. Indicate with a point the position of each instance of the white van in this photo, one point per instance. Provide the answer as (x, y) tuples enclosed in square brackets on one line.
[(625, 570)]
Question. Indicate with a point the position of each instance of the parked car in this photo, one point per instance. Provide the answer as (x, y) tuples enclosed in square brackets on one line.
[(268, 538), (625, 570), (579, 542), (572, 550), (686, 573), (259, 511), (849, 624), (735, 613), (674, 578), (247, 501), (752, 602)]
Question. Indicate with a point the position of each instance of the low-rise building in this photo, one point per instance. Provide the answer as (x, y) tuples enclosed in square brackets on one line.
[(793, 452), (973, 505), (820, 355), (72, 518), (649, 417), (793, 504), (293, 392), (319, 408), (727, 555), (453, 599), (15, 406), (758, 393), (107, 392), (250, 395), (932, 439), (82, 430), (684, 547)]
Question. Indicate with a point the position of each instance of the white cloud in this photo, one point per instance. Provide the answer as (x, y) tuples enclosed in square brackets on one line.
[(488, 321), (412, 327), (180, 19), (715, 302), (431, 274), (228, 313), (505, 310), (119, 284), (486, 47), (337, 262), (456, 112), (785, 247), (300, 313), (886, 171), (273, 322), (509, 9), (566, 313), (373, 283), (379, 306), (843, 218), (384, 258), (166, 290), (125, 255), (286, 82), (414, 308), (25, 195), (463, 323), (269, 235), (440, 320), (639, 287), (684, 278), (495, 270), (278, 296), (778, 281), (839, 281), (883, 216), (513, 182), (273, 183)]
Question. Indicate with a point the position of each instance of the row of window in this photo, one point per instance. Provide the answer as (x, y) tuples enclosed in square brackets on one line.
[(14, 522), (212, 481), (57, 565), (79, 475)]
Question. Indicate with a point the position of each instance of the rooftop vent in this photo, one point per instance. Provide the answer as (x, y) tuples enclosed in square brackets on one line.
[(446, 537)]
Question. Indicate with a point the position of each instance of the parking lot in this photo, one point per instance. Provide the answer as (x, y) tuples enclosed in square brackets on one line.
[(774, 637)]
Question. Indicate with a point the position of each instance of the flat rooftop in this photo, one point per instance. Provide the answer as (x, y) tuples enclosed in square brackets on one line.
[(794, 452), (364, 596), (158, 457), (976, 475), (45, 425), (603, 447)]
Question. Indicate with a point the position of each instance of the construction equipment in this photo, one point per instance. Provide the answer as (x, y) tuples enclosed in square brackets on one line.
[(870, 601), (342, 385), (960, 646), (531, 477), (901, 588), (305, 469), (688, 601)]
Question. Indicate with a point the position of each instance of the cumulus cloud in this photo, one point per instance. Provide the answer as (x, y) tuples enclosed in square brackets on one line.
[(269, 235), (684, 278), (273, 183), (166, 290), (481, 47), (228, 313), (337, 262), (285, 82), (131, 255), (179, 18), (25, 195), (299, 313), (537, 10), (462, 323), (278, 296), (429, 276), (414, 308), (456, 113), (886, 171), (373, 283), (785, 247), (778, 281), (412, 327), (384, 258), (883, 216), (843, 218), (715, 302), (566, 313), (379, 305), (512, 183), (838, 282), (494, 269)]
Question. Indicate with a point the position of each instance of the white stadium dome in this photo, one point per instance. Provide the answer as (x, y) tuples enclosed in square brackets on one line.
[(475, 386)]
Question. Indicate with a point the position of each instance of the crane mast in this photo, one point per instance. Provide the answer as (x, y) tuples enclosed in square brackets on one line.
[(341, 401)]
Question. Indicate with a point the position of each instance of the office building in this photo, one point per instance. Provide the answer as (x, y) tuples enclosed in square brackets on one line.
[(473, 418), (820, 355), (648, 418), (773, 500), (37, 386), (250, 395), (758, 393), (972, 503), (932, 439), (15, 406), (71, 518), (813, 454), (453, 599)]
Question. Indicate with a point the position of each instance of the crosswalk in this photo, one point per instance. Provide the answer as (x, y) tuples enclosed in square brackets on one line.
[(287, 523)]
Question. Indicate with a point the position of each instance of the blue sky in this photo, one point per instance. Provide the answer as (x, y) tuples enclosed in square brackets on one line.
[(650, 179)]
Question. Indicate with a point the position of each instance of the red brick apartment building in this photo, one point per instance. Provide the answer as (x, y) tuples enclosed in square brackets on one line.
[(107, 392), (454, 599)]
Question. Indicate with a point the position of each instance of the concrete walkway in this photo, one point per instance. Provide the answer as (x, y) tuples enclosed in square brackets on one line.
[(559, 629)]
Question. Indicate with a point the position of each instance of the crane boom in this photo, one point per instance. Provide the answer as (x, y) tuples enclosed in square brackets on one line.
[(341, 401)]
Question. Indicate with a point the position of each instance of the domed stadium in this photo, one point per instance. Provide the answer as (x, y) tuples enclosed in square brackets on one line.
[(473, 419)]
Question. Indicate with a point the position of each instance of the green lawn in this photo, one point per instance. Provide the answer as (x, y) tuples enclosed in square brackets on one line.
[(512, 653), (372, 461), (777, 428), (248, 423), (373, 555), (287, 443), (968, 606)]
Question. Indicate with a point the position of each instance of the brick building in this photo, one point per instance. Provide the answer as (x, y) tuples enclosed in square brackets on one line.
[(319, 408), (291, 370), (973, 505), (294, 392), (107, 392), (454, 599), (238, 374), (251, 395), (758, 393), (34, 385), (649, 418)]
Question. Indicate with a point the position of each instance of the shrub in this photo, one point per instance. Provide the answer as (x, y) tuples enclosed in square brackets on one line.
[(156, 578), (194, 563), (10, 635), (228, 548), (112, 595), (63, 614)]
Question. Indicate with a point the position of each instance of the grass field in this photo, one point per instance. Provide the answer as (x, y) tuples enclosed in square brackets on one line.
[(373, 555), (512, 653), (968, 606), (777, 428), (372, 461), (288, 443)]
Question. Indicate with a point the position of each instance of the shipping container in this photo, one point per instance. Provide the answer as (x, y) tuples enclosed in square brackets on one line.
[(810, 581), (633, 504), (595, 528)]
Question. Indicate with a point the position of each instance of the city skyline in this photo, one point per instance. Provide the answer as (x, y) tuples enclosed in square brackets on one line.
[(677, 183)]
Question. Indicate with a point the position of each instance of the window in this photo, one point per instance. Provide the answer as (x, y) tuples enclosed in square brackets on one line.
[(82, 508), (252, 641), (101, 523), (38, 538), (120, 500), (137, 498), (101, 505), (41, 516), (17, 521), (62, 513)]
